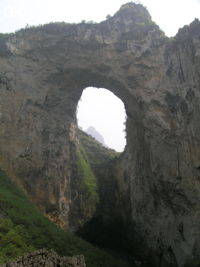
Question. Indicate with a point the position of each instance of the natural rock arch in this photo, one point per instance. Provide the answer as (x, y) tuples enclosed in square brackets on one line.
[(42, 74)]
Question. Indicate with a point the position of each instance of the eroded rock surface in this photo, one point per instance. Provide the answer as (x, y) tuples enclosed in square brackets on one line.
[(43, 72), (45, 258)]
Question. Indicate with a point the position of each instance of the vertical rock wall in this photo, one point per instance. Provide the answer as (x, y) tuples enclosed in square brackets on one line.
[(43, 72)]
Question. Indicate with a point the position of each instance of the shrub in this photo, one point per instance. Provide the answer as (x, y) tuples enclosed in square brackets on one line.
[(89, 183), (23, 228), (14, 240)]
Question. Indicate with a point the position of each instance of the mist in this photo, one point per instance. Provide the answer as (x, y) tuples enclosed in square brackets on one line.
[(104, 111)]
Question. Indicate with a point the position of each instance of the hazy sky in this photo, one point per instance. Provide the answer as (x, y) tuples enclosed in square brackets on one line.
[(170, 15), (105, 112)]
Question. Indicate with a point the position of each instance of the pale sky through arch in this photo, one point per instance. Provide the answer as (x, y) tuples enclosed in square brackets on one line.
[(104, 111)]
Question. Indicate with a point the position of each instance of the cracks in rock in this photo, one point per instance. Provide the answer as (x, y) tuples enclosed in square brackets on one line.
[(178, 164), (173, 102), (181, 230), (4, 81), (181, 74)]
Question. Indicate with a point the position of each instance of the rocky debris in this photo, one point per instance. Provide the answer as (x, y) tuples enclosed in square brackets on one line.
[(46, 258)]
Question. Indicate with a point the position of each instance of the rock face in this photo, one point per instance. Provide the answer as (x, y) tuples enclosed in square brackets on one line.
[(43, 72), (93, 132), (46, 258)]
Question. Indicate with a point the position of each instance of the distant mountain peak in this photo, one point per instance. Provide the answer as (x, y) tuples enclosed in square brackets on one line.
[(95, 134)]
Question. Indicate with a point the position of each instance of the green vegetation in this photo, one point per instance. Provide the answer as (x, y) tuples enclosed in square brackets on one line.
[(96, 153), (14, 240), (89, 180), (194, 263), (23, 228), (53, 28), (147, 23), (108, 16)]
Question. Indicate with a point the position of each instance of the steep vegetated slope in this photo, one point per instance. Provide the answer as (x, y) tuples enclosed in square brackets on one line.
[(24, 229), (97, 165), (97, 153), (153, 187), (94, 133), (103, 229)]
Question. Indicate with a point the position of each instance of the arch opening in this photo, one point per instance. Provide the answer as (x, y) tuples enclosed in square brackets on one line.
[(102, 115)]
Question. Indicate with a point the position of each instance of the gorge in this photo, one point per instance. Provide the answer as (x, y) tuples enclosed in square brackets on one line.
[(153, 187)]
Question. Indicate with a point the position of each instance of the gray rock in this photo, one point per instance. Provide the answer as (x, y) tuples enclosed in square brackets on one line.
[(43, 73), (46, 258)]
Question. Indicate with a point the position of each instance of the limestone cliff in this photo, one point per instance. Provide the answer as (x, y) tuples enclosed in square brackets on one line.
[(43, 72)]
